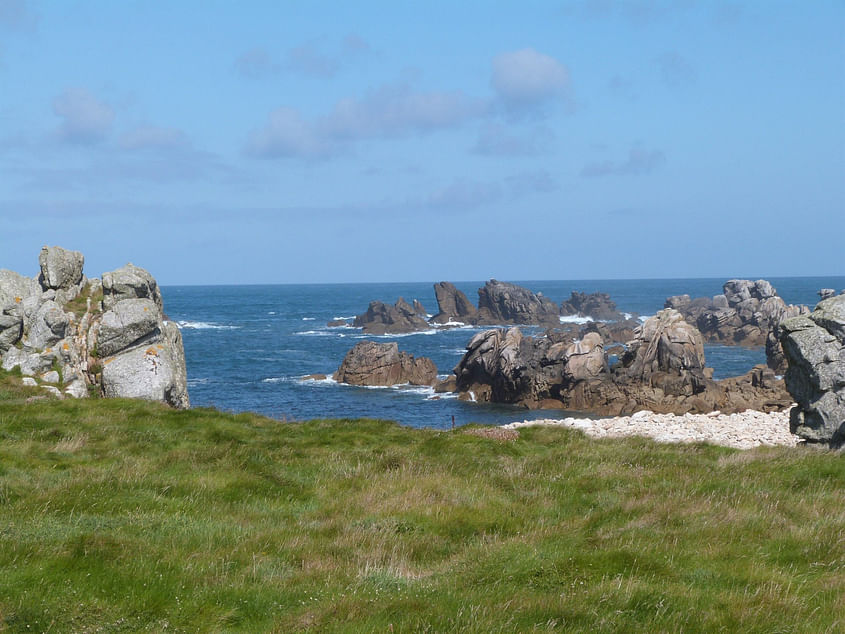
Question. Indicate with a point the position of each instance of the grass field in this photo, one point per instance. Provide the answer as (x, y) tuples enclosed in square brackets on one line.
[(120, 515)]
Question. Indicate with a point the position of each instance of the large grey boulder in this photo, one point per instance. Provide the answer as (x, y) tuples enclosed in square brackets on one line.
[(30, 363), (814, 346), (60, 268), (49, 326), (505, 303), (155, 372), (129, 282), (382, 364), (130, 322), (453, 305)]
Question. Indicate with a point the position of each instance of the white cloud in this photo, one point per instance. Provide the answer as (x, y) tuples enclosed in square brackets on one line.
[(85, 119), (526, 78), (153, 137), (256, 63), (496, 139), (639, 161), (390, 111), (287, 134)]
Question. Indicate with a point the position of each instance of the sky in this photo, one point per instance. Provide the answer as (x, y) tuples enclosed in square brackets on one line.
[(307, 142)]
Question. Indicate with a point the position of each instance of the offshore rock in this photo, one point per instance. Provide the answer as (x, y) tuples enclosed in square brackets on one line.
[(381, 319), (453, 305), (595, 305), (382, 364), (505, 303), (814, 346)]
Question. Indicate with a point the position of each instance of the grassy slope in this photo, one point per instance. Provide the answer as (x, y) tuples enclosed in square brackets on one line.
[(129, 516)]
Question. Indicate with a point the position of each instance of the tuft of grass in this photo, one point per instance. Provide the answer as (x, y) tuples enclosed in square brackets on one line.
[(129, 516), (79, 304)]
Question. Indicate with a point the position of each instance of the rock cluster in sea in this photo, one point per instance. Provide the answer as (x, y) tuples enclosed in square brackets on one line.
[(663, 369), (747, 313), (75, 335), (814, 346), (382, 364)]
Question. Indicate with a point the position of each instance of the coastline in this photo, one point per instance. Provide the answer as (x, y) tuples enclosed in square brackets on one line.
[(743, 430)]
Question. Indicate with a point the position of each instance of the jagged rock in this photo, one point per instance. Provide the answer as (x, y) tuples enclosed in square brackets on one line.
[(130, 322), (18, 300), (663, 370), (814, 346), (337, 323), (11, 331), (595, 305), (49, 326), (31, 363), (826, 293), (129, 282), (419, 309), (60, 268), (615, 331), (505, 303), (370, 363), (382, 319), (453, 305)]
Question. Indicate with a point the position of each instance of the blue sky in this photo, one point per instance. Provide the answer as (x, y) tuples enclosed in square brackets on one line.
[(262, 142)]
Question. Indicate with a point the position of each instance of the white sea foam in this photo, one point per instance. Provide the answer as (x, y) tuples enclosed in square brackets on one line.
[(272, 312), (627, 315), (398, 334), (308, 318), (204, 325), (644, 318), (318, 333), (306, 380), (350, 317), (275, 379), (574, 319)]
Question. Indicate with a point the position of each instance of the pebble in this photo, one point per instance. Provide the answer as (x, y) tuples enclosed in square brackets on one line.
[(744, 430)]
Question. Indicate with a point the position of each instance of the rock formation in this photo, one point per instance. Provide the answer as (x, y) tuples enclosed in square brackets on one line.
[(596, 305), (453, 306), (110, 337), (370, 363), (747, 314), (663, 370), (504, 303), (814, 346), (381, 319)]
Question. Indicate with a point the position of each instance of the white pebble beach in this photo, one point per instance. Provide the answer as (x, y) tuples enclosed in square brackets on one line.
[(744, 430)]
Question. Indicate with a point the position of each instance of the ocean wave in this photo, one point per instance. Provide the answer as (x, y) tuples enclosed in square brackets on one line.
[(403, 388), (307, 380), (574, 319), (349, 317), (272, 312), (308, 318), (395, 335), (204, 325)]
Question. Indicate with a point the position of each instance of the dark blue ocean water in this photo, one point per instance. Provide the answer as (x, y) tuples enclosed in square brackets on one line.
[(248, 347)]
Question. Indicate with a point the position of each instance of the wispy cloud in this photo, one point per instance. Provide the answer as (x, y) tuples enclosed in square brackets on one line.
[(85, 119), (392, 110), (311, 59), (527, 78), (497, 139), (675, 70), (640, 161)]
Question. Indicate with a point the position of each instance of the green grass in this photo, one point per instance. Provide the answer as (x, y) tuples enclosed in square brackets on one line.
[(120, 515)]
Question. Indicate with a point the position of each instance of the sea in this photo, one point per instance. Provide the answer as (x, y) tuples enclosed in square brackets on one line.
[(249, 347)]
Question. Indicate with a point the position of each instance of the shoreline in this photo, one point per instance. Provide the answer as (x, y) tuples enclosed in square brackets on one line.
[(743, 430)]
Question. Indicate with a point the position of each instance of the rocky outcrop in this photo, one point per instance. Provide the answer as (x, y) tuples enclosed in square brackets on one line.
[(746, 314), (381, 319), (596, 305), (453, 305), (505, 303), (111, 338), (662, 370), (129, 282), (814, 346), (382, 364)]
